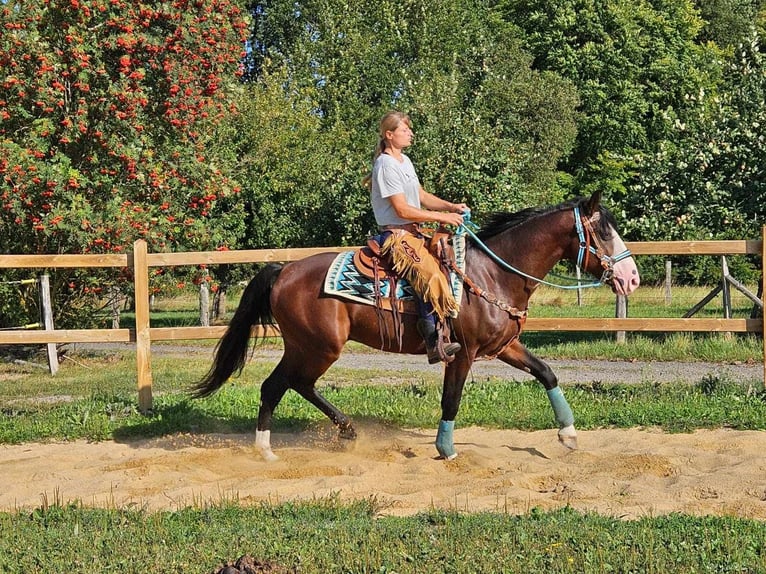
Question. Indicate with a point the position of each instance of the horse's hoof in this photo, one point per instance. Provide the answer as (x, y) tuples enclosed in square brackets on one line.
[(445, 445), (568, 437), (569, 442), (268, 454), (263, 444), (446, 451), (347, 433)]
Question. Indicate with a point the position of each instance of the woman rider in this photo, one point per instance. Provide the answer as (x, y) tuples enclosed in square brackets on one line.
[(400, 204)]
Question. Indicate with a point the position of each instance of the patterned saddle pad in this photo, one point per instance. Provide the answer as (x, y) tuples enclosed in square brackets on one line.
[(344, 280)]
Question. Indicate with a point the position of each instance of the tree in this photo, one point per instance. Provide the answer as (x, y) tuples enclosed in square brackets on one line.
[(489, 130), (634, 63), (710, 183), (105, 111)]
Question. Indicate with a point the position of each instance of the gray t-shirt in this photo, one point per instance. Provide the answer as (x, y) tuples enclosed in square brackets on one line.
[(390, 177)]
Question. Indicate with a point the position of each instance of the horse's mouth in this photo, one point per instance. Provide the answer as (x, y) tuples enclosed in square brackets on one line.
[(618, 286)]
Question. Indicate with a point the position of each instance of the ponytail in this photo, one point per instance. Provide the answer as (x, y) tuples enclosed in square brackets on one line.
[(379, 149)]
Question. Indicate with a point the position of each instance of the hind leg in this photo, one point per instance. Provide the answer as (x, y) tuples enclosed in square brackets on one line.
[(298, 372), (272, 391), (307, 367), (314, 330), (311, 367)]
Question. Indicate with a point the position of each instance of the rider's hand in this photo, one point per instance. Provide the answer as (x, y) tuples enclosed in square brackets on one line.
[(455, 219), (461, 208)]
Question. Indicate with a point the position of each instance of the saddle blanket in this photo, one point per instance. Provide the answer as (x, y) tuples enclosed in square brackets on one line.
[(344, 280)]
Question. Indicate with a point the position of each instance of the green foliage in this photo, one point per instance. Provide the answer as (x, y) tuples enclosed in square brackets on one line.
[(633, 64), (21, 301), (489, 130), (104, 117), (706, 182), (294, 170), (729, 22)]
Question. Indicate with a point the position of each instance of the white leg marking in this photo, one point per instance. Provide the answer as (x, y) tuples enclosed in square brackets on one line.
[(263, 444)]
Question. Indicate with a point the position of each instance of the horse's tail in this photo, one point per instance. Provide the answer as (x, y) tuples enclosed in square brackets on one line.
[(231, 351)]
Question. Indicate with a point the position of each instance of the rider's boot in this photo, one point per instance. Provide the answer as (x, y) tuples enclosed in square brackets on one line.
[(427, 330)]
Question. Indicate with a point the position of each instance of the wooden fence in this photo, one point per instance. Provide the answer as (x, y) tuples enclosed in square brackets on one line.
[(140, 261)]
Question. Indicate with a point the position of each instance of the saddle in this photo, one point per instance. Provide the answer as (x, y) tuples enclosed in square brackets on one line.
[(380, 264), (372, 263)]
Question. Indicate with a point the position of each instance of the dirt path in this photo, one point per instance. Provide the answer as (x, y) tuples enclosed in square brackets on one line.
[(568, 371), (625, 473)]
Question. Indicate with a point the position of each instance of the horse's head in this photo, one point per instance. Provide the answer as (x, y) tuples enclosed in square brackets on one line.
[(602, 251)]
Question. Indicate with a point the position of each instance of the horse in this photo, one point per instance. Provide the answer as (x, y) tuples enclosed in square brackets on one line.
[(505, 262)]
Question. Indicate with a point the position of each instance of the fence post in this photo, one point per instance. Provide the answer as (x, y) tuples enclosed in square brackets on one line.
[(621, 312), (115, 296), (143, 335), (204, 304), (219, 303), (726, 292), (668, 281), (46, 310)]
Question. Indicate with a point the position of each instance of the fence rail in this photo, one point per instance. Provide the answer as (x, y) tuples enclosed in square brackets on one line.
[(143, 334)]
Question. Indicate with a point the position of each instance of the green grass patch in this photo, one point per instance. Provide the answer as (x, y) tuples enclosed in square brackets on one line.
[(98, 402), (326, 536), (685, 347)]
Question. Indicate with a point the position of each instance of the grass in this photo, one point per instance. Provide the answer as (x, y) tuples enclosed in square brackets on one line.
[(326, 536), (95, 399)]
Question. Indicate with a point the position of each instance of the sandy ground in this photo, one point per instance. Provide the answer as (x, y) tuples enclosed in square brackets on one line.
[(624, 473)]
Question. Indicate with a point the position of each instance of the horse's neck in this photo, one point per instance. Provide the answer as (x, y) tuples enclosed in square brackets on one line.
[(533, 247)]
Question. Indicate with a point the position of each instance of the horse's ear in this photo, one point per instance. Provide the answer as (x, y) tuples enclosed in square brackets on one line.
[(594, 202)]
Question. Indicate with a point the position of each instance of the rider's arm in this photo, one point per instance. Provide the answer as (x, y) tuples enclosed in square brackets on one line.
[(419, 215), (430, 201)]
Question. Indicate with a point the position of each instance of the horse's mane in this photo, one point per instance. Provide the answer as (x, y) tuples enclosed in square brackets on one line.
[(498, 222)]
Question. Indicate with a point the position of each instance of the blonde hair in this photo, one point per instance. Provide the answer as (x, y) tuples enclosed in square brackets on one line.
[(388, 123)]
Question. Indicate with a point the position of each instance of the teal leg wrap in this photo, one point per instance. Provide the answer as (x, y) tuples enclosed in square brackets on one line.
[(445, 443), (561, 407)]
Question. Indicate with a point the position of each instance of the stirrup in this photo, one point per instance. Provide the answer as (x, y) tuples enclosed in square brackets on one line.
[(450, 350), (437, 348)]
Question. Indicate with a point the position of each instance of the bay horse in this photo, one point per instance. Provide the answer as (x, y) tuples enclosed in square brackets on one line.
[(505, 262)]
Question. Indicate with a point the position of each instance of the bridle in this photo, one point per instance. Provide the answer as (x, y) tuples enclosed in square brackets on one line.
[(587, 235)]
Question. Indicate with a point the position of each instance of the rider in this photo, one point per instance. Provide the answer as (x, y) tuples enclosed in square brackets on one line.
[(400, 204)]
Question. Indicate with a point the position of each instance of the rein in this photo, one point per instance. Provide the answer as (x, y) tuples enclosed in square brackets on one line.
[(585, 232)]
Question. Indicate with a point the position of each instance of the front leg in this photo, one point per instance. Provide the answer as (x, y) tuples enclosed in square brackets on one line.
[(517, 355), (452, 392)]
